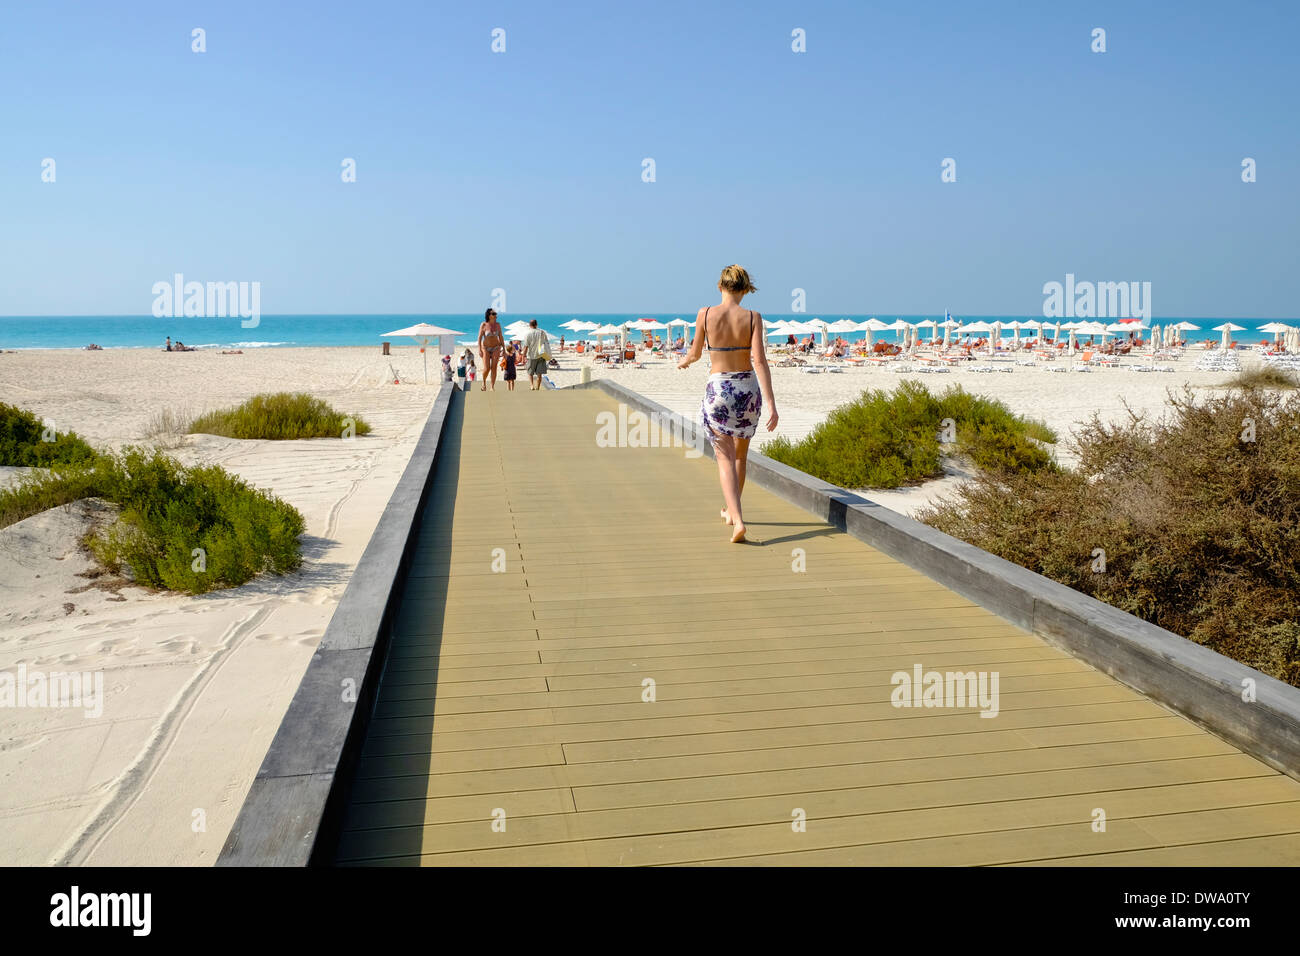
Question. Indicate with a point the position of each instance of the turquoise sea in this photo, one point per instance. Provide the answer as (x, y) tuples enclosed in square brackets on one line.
[(272, 331)]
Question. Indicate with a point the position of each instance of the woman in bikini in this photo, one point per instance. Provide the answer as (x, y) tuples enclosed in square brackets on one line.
[(490, 342), (740, 384)]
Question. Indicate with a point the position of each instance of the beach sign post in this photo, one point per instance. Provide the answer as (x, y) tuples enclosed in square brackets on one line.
[(422, 333)]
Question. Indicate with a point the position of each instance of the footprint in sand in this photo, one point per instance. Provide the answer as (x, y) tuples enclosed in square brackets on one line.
[(179, 645)]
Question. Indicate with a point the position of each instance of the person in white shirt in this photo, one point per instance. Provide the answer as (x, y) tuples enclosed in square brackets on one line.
[(536, 345)]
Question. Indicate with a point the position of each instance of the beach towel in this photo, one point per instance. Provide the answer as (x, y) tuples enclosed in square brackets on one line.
[(732, 403)]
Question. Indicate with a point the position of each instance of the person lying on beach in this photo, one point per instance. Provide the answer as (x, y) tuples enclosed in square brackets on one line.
[(92, 347), (739, 384)]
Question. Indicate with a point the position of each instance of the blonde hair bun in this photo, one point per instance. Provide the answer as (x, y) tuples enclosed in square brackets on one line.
[(735, 279)]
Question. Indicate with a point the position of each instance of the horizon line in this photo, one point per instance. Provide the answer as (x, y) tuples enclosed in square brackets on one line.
[(267, 315)]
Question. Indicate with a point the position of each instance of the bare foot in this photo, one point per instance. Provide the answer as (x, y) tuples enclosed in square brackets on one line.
[(726, 518), (738, 535)]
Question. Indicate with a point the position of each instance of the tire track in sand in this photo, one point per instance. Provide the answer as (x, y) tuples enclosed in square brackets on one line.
[(127, 788)]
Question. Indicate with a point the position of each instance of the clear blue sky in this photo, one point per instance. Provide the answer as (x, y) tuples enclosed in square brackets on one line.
[(522, 170)]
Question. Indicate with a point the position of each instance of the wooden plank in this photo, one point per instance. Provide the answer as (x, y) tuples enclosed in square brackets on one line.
[(1046, 843), (679, 834)]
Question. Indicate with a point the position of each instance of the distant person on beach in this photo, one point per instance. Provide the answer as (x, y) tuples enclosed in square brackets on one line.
[(169, 344), (446, 368), (536, 347), (739, 384), (490, 342), (460, 372)]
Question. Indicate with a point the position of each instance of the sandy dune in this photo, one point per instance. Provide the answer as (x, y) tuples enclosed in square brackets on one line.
[(194, 687)]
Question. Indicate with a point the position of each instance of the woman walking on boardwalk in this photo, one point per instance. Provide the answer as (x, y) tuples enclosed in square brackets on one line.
[(490, 342), (740, 383)]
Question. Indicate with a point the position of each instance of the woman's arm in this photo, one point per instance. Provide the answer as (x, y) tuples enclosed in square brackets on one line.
[(697, 344), (758, 355)]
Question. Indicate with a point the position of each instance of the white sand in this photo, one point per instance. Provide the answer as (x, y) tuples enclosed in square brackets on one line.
[(1062, 400), (194, 687)]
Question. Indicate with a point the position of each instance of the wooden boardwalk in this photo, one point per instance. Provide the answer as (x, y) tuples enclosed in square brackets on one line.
[(520, 692)]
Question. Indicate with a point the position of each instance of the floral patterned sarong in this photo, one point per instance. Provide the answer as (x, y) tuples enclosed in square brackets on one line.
[(732, 403)]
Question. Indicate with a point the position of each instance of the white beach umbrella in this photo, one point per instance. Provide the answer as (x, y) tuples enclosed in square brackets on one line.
[(843, 325), (933, 325), (1227, 328), (780, 328), (1091, 328), (422, 332), (819, 326), (647, 325), (1185, 327), (574, 325), (1277, 328), (897, 326), (866, 328), (680, 323)]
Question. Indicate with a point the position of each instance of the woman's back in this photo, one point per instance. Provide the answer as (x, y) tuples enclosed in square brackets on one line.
[(729, 332)]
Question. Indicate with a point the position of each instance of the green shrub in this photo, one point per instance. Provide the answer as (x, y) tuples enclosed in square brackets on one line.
[(167, 511), (281, 416), (1199, 521), (1000, 449), (884, 440), (22, 444)]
